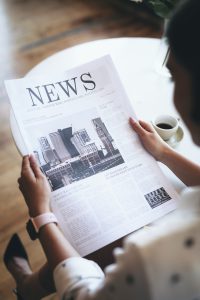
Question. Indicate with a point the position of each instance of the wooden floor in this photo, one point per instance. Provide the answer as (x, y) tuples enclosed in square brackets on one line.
[(31, 30)]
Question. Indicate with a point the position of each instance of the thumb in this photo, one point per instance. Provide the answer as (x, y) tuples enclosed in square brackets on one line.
[(137, 127)]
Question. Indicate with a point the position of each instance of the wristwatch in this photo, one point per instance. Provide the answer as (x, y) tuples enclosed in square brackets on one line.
[(34, 224)]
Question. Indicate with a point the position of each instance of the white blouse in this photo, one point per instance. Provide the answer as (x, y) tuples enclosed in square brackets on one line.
[(159, 262)]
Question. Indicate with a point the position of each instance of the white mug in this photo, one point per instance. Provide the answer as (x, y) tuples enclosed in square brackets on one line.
[(166, 126)]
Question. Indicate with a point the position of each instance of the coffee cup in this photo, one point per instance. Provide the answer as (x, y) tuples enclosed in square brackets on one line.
[(166, 126)]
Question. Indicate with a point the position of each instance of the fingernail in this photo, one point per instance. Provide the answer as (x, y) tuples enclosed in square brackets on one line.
[(31, 156), (132, 120)]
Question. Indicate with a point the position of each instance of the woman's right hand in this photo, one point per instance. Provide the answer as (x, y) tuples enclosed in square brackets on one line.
[(150, 139), (34, 187)]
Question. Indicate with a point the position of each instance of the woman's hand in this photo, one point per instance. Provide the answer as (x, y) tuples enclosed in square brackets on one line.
[(34, 187), (150, 139)]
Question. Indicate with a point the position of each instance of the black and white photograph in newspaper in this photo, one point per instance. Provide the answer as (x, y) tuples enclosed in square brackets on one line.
[(74, 147)]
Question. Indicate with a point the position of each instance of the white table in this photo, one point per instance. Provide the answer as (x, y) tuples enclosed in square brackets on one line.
[(136, 60)]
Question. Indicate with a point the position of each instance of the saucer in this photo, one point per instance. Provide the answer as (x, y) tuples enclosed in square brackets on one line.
[(176, 138)]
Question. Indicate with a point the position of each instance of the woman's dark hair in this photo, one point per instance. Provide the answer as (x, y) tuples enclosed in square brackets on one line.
[(183, 34)]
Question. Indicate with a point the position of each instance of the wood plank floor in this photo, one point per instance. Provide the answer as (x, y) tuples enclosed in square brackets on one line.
[(31, 30)]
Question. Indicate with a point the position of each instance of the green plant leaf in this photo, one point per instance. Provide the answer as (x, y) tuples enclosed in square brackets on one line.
[(161, 8)]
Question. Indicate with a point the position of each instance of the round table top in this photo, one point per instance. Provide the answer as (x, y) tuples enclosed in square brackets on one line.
[(138, 62)]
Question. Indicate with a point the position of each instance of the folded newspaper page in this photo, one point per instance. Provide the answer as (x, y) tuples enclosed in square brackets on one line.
[(104, 184)]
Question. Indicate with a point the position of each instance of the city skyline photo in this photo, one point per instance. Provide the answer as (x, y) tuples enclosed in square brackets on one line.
[(81, 148)]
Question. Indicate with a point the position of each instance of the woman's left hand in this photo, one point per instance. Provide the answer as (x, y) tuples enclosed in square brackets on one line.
[(34, 187)]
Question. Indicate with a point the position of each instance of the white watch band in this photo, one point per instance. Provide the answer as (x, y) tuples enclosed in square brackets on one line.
[(43, 219)]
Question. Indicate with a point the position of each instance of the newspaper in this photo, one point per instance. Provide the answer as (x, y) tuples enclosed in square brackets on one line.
[(104, 184)]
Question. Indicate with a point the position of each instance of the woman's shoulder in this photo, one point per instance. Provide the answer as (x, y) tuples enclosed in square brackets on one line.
[(190, 198), (169, 249), (187, 213)]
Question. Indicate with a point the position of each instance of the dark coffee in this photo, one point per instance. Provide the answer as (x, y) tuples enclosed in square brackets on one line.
[(164, 126)]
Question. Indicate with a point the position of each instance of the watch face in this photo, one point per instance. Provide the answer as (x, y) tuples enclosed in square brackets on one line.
[(31, 230)]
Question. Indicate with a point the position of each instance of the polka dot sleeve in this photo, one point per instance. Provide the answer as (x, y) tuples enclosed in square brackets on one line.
[(81, 279)]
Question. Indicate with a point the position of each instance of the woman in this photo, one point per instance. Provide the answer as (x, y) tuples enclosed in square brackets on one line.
[(159, 263)]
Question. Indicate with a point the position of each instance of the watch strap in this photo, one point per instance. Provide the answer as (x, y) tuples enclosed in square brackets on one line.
[(31, 230), (43, 219)]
